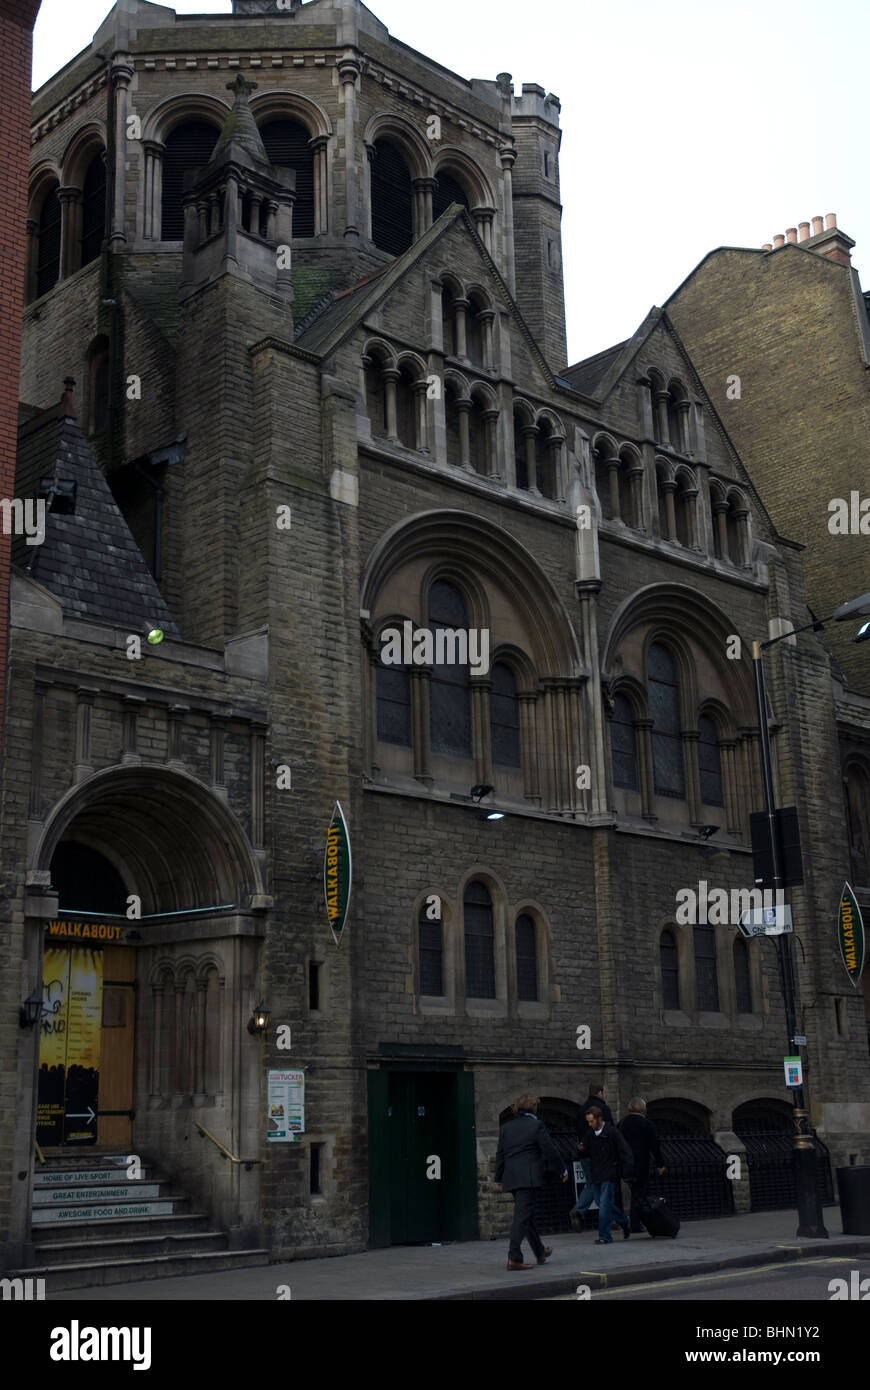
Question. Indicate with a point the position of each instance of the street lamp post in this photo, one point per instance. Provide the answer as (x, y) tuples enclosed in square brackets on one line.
[(810, 1219)]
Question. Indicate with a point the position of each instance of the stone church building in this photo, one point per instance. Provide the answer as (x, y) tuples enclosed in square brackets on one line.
[(294, 376)]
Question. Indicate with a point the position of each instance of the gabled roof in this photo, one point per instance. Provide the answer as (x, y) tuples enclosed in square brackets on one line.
[(585, 375), (326, 331), (88, 560)]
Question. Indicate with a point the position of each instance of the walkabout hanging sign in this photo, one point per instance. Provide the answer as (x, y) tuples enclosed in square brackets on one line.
[(337, 872), (850, 930)]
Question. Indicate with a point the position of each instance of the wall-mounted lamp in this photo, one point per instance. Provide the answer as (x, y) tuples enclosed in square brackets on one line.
[(153, 634), (30, 1011), (259, 1021)]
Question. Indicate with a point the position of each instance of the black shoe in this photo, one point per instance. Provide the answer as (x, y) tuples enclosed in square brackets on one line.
[(599, 1241), (626, 1232)]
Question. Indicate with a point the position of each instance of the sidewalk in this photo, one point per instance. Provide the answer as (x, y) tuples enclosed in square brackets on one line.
[(476, 1269)]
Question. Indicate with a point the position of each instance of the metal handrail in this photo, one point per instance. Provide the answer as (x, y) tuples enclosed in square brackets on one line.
[(39, 1154), (223, 1150)]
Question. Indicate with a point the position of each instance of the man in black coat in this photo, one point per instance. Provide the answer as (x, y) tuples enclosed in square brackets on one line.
[(609, 1158), (525, 1153), (640, 1135), (595, 1097)]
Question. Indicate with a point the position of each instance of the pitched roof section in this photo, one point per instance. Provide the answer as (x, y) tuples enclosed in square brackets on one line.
[(327, 331), (585, 375), (88, 560)]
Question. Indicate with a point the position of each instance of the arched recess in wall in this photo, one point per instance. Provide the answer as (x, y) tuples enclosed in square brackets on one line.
[(296, 133), (43, 232), (399, 182), (459, 179), (170, 839)]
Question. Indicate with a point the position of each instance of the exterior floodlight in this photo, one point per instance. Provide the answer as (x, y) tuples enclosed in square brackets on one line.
[(155, 635), (855, 608), (495, 815), (863, 633)]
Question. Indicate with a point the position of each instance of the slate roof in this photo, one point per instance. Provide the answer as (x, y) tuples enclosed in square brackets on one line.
[(584, 376), (88, 560)]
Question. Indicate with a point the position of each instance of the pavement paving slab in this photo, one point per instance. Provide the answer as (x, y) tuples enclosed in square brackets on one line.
[(476, 1269)]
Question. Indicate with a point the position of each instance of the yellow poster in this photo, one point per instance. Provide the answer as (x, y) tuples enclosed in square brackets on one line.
[(69, 1052)]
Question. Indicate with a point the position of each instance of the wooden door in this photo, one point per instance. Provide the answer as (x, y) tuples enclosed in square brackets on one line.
[(116, 1051)]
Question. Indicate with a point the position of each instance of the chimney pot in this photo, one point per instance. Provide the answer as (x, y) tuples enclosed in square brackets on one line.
[(779, 240), (818, 225), (803, 231), (830, 221), (791, 233), (767, 246)]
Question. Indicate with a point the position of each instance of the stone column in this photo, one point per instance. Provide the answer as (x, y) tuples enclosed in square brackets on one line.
[(669, 488), (690, 502), (217, 743), (420, 389), (529, 745), (692, 773), (684, 443), (483, 220), (643, 732), (258, 785), (592, 751), (85, 698), (749, 739), (635, 490), (132, 704), (487, 326), (728, 755), (70, 230), (152, 216), (508, 157), (613, 480), (742, 517), (200, 1018), (256, 204), (420, 724), (158, 1028), (490, 424), (391, 377), (122, 72), (35, 800), (481, 687), (319, 146), (349, 69), (175, 749), (460, 307), (556, 446), (231, 219), (661, 400)]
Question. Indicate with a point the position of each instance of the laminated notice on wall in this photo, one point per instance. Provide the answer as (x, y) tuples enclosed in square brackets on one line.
[(285, 1106)]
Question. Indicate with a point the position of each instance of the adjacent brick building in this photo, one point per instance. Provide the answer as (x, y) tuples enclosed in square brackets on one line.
[(320, 360)]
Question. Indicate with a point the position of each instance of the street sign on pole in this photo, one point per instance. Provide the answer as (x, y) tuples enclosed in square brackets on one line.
[(766, 921)]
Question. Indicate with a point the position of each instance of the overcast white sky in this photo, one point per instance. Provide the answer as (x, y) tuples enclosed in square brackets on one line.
[(687, 124)]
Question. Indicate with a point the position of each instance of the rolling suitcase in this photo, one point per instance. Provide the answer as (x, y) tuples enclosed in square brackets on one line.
[(658, 1218)]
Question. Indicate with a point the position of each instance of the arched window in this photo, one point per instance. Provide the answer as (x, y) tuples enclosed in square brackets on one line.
[(479, 943), (392, 200), (287, 144), (406, 409), (394, 705), (623, 743), (93, 209), (376, 396), (664, 707), (527, 958), (669, 965), (447, 190), (710, 762), (189, 146), (520, 453), (742, 977), (504, 717), (431, 971), (48, 259), (449, 690), (706, 974), (448, 321)]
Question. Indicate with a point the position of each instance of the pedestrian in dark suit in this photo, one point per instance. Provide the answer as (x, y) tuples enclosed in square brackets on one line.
[(525, 1154), (640, 1134)]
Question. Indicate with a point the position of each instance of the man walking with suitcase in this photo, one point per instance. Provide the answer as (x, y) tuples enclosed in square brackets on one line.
[(640, 1135), (609, 1159)]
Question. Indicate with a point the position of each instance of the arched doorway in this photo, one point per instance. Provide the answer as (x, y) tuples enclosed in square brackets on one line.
[(135, 856), (765, 1127), (694, 1184)]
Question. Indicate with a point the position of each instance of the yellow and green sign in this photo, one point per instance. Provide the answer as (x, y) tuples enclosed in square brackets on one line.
[(850, 930), (337, 872)]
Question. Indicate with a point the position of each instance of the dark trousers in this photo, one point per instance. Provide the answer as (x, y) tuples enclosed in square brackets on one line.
[(638, 1197), (524, 1226)]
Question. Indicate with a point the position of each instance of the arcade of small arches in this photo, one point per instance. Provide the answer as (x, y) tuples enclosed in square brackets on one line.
[(409, 187)]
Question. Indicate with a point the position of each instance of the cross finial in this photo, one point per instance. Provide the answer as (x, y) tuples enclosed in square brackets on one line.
[(242, 86)]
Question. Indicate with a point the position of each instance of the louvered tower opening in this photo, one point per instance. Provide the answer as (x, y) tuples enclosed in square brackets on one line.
[(189, 146), (392, 200), (447, 191), (93, 209), (287, 145), (48, 264)]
